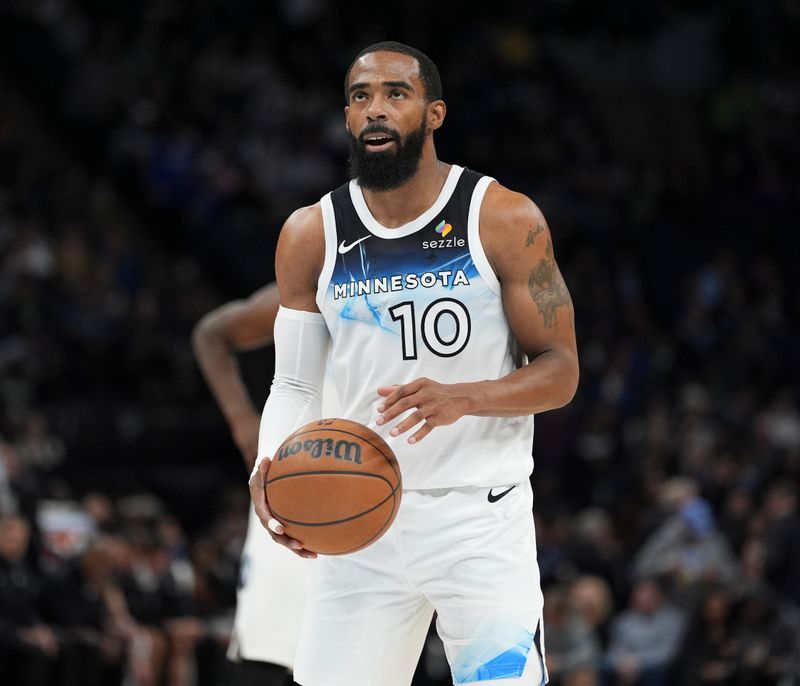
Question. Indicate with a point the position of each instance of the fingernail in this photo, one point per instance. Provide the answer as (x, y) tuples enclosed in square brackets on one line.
[(273, 525), (379, 419), (296, 545), (394, 432), (412, 440), (381, 407)]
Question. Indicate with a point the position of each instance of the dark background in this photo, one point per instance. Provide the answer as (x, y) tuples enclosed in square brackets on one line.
[(149, 153)]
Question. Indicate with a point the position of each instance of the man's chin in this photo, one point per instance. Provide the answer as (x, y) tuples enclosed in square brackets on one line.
[(384, 153)]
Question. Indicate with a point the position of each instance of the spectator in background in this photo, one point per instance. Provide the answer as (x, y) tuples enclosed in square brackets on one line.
[(644, 639), (739, 640), (707, 656), (101, 510), (103, 642), (553, 532), (28, 646), (591, 598), (155, 599), (687, 547), (752, 562), (37, 446), (594, 549), (573, 650), (20, 486), (184, 622), (783, 540), (764, 642), (160, 587), (737, 511)]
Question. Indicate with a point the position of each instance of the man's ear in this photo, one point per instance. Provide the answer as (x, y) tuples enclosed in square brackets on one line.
[(437, 111)]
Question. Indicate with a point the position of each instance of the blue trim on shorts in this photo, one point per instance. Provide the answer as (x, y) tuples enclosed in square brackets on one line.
[(510, 664)]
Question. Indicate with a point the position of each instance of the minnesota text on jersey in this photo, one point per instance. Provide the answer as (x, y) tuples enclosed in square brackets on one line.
[(398, 282)]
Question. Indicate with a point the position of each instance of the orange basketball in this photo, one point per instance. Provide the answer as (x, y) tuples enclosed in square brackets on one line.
[(335, 486)]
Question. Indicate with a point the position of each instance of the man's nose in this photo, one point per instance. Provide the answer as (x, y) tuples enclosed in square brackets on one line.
[(376, 110)]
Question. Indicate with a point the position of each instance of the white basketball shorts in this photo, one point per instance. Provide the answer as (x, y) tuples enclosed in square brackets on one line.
[(270, 601), (469, 554)]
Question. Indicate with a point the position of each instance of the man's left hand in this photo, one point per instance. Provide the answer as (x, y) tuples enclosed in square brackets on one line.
[(433, 403)]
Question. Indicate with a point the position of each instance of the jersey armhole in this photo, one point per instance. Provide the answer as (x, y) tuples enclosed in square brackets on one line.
[(329, 229), (473, 232)]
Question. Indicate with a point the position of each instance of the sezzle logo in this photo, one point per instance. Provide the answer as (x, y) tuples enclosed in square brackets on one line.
[(444, 228)]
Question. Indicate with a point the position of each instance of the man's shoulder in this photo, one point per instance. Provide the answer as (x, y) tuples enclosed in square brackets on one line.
[(300, 256), (509, 220), (504, 208), (303, 220)]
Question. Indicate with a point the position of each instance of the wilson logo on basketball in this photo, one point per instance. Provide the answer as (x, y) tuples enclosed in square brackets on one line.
[(323, 447)]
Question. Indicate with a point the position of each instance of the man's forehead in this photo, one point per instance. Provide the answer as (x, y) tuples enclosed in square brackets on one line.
[(385, 66)]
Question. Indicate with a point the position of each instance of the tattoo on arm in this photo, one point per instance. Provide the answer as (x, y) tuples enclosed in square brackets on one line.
[(532, 233), (547, 288)]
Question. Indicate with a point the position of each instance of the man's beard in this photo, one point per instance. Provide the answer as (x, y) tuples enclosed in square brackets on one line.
[(388, 169)]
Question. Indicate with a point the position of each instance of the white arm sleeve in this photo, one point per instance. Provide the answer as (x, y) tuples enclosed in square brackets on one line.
[(295, 398)]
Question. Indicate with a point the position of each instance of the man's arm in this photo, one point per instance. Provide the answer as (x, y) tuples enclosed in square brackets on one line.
[(538, 306), (301, 351), (236, 326)]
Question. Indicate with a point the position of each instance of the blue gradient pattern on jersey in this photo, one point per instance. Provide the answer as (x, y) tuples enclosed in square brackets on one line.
[(493, 658), (352, 311), (360, 267), (386, 265)]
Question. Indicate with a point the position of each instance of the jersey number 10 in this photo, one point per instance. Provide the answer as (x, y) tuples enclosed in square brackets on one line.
[(430, 325)]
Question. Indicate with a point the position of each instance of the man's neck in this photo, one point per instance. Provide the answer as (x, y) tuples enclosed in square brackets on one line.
[(401, 205)]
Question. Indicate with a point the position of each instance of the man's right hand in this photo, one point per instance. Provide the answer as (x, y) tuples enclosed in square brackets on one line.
[(258, 494)]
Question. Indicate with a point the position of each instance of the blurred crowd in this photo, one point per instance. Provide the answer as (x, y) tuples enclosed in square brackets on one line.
[(148, 156)]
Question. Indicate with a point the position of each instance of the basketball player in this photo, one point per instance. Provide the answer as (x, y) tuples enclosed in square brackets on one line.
[(423, 278), (274, 583)]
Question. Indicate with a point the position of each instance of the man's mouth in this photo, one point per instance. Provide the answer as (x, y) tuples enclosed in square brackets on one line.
[(376, 142)]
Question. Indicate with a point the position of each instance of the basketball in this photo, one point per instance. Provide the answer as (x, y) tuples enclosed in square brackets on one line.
[(335, 486)]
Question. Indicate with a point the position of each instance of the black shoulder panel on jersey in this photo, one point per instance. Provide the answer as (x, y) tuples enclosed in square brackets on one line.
[(466, 185), (348, 224)]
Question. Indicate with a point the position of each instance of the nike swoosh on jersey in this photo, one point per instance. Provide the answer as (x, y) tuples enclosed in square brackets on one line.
[(347, 248), (494, 498)]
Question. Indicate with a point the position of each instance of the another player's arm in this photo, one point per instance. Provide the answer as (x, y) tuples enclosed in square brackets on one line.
[(301, 341), (539, 309), (236, 326)]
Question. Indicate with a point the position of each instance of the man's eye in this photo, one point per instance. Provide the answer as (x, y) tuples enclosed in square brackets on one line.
[(398, 94), (358, 97)]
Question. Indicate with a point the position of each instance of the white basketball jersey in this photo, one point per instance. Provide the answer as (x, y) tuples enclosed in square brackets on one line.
[(416, 301)]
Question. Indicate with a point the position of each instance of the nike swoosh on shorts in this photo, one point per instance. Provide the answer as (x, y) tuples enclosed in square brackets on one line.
[(492, 498)]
